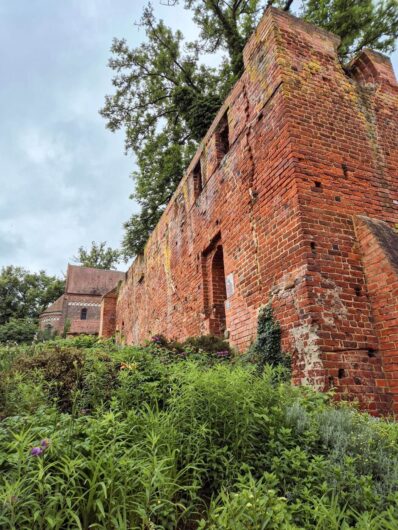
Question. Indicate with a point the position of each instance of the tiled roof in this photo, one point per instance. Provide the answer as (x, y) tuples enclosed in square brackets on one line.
[(56, 306), (85, 280)]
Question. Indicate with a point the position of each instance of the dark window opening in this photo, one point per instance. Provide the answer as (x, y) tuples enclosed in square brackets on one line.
[(222, 137), (218, 294), (198, 180), (318, 184), (83, 314), (341, 373)]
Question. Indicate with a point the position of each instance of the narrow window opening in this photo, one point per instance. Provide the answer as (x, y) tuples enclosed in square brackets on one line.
[(83, 314), (337, 199), (341, 373), (318, 184), (313, 245), (198, 179), (222, 137), (345, 170), (358, 290)]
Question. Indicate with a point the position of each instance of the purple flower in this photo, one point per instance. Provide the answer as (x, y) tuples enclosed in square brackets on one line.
[(45, 443), (222, 353), (36, 451)]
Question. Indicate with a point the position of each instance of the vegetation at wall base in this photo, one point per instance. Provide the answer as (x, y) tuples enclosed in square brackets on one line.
[(168, 436)]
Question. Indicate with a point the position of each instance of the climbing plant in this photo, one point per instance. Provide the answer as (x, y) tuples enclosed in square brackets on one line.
[(267, 347)]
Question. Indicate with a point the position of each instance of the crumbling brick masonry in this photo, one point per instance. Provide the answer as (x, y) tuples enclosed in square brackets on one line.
[(292, 198)]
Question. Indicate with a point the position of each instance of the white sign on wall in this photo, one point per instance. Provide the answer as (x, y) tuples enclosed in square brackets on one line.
[(229, 284)]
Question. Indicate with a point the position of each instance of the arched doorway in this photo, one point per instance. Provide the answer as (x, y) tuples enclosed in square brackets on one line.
[(218, 294)]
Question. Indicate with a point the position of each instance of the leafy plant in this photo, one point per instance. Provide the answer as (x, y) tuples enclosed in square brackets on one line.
[(98, 435), (267, 347)]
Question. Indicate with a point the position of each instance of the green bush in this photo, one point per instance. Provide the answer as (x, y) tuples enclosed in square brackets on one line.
[(18, 330), (95, 435)]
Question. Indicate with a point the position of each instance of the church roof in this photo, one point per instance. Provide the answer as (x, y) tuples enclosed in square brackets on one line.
[(55, 306), (85, 280)]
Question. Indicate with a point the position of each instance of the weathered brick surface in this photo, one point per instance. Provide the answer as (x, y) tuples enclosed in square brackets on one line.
[(310, 148), (108, 314), (379, 248)]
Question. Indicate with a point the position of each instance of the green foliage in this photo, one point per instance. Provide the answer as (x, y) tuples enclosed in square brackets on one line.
[(166, 98), (155, 442), (98, 256), (208, 344), (253, 505), (160, 91), (18, 330), (360, 24), (267, 347), (24, 295)]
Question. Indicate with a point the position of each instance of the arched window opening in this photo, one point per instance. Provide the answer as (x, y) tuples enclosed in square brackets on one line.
[(83, 314), (218, 294)]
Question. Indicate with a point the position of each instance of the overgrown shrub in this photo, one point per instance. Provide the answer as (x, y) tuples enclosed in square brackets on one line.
[(182, 444)]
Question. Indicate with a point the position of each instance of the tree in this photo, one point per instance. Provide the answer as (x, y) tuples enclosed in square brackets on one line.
[(359, 23), (24, 294), (165, 97), (98, 256), (18, 330), (166, 100)]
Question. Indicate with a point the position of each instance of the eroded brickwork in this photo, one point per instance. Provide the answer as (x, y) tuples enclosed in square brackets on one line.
[(268, 208)]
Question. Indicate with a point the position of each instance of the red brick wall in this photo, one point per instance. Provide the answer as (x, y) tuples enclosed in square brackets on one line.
[(53, 321), (310, 147), (108, 315), (379, 247)]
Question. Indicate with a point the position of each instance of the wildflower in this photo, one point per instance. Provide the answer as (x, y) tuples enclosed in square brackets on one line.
[(249, 505), (224, 353), (37, 451), (45, 443)]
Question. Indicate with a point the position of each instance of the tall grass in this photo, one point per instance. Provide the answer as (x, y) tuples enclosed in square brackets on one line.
[(144, 438)]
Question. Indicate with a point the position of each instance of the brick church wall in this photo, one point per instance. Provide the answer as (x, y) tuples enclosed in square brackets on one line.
[(269, 204)]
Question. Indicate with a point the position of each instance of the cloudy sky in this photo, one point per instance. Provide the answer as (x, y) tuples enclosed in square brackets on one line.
[(64, 178)]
